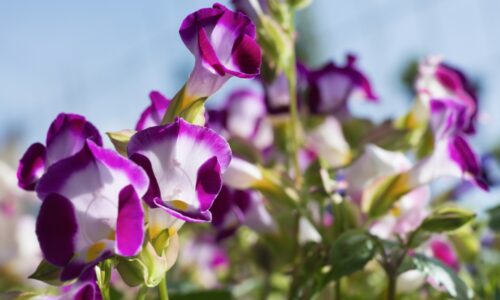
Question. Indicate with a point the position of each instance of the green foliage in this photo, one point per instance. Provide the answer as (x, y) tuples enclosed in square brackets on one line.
[(120, 140), (494, 218), (350, 253), (48, 273), (149, 266), (443, 276), (447, 218)]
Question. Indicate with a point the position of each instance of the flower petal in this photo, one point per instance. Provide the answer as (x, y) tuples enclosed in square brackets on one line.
[(31, 167), (184, 162), (67, 135), (208, 183), (56, 228), (153, 114), (129, 223), (246, 58)]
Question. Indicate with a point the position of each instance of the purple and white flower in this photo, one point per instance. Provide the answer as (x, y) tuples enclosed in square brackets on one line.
[(277, 93), (243, 116), (91, 209), (327, 141), (452, 155), (153, 114), (375, 165), (371, 167), (80, 290), (437, 80), (207, 258), (184, 163), (66, 136), (242, 174), (223, 43), (233, 208), (331, 86)]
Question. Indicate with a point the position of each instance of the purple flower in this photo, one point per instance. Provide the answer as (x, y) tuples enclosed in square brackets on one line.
[(243, 116), (223, 43), (278, 94), (233, 208), (443, 250), (66, 136), (452, 156), (184, 163), (332, 86), (206, 258), (245, 7), (448, 118), (153, 114), (327, 141), (91, 209), (438, 80), (80, 290)]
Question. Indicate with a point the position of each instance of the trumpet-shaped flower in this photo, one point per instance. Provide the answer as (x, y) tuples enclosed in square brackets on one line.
[(91, 209), (241, 174), (375, 165), (223, 43), (66, 136), (80, 290), (452, 155), (332, 86), (207, 258), (437, 80), (233, 208), (328, 141), (277, 93), (153, 114), (184, 163), (243, 116)]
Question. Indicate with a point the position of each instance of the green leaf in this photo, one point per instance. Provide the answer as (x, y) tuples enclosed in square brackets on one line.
[(443, 276), (148, 267), (48, 273), (350, 253), (120, 139), (494, 221), (275, 42), (379, 199), (299, 4), (447, 218)]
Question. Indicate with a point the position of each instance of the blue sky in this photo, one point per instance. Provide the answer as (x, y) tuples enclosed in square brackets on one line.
[(101, 58)]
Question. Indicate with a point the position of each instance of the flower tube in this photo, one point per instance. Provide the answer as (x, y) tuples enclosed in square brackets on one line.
[(332, 86), (243, 116), (184, 163), (65, 137), (91, 209), (233, 208)]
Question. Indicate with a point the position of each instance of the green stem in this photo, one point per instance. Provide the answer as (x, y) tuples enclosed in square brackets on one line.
[(163, 289), (104, 278), (391, 286), (338, 291), (291, 74), (142, 293)]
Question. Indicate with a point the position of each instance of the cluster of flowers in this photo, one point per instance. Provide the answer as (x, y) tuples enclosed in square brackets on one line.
[(289, 161)]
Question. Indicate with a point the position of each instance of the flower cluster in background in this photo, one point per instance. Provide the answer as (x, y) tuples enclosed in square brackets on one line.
[(279, 192)]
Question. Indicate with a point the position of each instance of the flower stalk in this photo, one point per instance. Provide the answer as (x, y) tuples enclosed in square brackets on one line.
[(162, 288)]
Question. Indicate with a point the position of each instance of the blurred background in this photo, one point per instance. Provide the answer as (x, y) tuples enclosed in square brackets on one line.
[(101, 58)]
